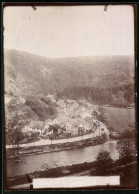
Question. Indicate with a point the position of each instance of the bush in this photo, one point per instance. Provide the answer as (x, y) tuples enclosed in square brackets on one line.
[(103, 163), (126, 148)]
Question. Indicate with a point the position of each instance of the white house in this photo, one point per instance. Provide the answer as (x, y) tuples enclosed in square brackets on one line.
[(70, 128), (63, 114), (52, 97), (104, 130), (55, 122), (35, 126), (62, 103), (85, 114)]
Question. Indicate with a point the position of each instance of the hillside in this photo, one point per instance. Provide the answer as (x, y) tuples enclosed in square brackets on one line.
[(28, 74), (30, 78)]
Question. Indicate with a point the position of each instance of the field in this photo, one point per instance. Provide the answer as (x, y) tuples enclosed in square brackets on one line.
[(121, 119)]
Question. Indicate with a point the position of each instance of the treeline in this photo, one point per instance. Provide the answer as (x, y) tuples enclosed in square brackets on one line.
[(122, 95)]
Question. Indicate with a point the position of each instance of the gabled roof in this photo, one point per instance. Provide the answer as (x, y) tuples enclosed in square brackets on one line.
[(75, 122), (79, 110), (89, 119), (86, 113), (48, 121)]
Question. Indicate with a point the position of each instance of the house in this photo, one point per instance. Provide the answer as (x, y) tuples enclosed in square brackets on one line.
[(89, 126), (52, 97), (36, 126), (25, 129), (104, 130), (78, 111), (61, 121), (85, 114), (78, 123), (88, 105), (63, 114), (22, 100), (48, 132), (99, 129), (69, 126), (55, 122), (72, 127), (74, 104), (62, 103), (48, 122), (63, 125)]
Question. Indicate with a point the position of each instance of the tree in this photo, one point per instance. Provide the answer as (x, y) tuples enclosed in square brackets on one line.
[(52, 137), (104, 162), (126, 148), (55, 128), (34, 136), (128, 134), (103, 137), (16, 136), (68, 135)]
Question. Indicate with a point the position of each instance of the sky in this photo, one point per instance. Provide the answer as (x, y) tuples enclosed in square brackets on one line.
[(70, 31)]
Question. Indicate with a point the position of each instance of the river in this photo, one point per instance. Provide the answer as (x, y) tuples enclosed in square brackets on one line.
[(121, 119), (29, 164)]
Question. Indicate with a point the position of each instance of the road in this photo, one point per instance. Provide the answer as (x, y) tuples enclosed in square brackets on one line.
[(58, 141)]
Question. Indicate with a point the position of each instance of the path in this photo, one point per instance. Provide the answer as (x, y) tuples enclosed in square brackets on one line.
[(58, 141)]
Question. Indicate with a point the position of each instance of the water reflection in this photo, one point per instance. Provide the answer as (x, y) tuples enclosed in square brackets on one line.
[(30, 164)]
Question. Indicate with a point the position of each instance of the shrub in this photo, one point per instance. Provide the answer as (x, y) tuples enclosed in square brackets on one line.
[(126, 148), (103, 162)]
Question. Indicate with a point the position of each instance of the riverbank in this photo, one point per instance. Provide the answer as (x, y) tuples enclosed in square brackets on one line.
[(54, 172), (44, 142), (19, 152), (31, 163), (125, 168), (111, 106)]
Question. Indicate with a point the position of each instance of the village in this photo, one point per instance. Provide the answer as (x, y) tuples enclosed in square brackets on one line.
[(74, 119)]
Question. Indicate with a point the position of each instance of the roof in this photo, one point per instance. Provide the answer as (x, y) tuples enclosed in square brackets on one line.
[(79, 109), (86, 114), (48, 121), (75, 122), (89, 119), (102, 124), (52, 97), (37, 124)]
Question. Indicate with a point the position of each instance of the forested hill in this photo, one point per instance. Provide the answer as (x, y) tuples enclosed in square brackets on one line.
[(103, 79)]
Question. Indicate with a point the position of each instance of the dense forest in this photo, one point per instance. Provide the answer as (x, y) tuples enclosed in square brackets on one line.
[(100, 79), (117, 96)]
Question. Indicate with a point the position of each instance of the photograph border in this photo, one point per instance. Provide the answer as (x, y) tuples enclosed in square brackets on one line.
[(136, 22)]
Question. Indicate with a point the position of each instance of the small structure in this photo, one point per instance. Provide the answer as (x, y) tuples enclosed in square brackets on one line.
[(52, 97), (36, 126), (62, 103), (104, 130), (55, 122), (64, 114), (86, 115)]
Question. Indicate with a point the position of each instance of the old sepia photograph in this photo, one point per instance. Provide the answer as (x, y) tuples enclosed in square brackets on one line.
[(69, 97)]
